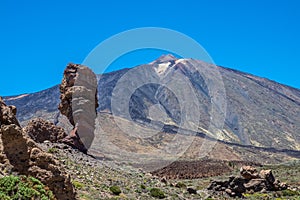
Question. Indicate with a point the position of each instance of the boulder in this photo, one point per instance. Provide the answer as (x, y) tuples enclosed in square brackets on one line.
[(255, 184), (19, 154), (267, 175), (249, 181), (74, 141), (248, 172), (7, 114), (41, 130), (191, 190)]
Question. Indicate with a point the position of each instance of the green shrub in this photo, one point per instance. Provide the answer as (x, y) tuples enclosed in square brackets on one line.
[(180, 185), (52, 150), (157, 193), (115, 189), (77, 184), (143, 186), (290, 193), (14, 187)]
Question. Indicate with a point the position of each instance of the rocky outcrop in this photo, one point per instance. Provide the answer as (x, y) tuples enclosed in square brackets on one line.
[(21, 155), (7, 114), (250, 181), (79, 103), (41, 130), (248, 172), (74, 141)]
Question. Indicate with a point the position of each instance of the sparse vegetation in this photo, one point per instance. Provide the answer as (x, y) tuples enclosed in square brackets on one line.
[(115, 190), (52, 150), (180, 185), (77, 184), (93, 180), (22, 187), (157, 193)]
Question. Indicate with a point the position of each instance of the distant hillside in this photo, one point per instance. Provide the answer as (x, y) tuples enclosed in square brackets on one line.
[(259, 112)]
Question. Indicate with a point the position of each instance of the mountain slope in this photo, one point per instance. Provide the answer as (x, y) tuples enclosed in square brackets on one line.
[(259, 112)]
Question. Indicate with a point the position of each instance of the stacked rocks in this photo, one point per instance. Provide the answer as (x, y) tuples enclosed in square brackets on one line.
[(249, 181)]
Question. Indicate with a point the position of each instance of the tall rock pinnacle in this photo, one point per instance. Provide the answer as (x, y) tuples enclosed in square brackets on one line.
[(79, 103)]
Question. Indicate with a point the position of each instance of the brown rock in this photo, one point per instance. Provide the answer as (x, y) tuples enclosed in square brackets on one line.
[(79, 103), (267, 175), (255, 184), (19, 154), (74, 141), (7, 114), (248, 172), (41, 130)]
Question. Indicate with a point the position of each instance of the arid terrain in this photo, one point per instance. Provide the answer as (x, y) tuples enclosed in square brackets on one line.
[(83, 146)]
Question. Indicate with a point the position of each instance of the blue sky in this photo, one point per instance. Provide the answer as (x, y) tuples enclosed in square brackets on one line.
[(38, 38)]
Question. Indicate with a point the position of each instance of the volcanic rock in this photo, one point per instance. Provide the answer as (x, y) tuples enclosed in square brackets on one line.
[(79, 103), (21, 155), (268, 175), (249, 181), (41, 130), (74, 141), (7, 114), (248, 172)]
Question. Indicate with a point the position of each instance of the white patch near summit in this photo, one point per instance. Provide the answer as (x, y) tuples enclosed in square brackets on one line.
[(162, 68)]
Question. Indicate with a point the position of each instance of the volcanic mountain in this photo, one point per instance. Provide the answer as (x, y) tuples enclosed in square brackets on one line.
[(190, 96)]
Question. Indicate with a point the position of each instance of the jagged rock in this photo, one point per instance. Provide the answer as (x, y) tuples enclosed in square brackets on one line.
[(237, 185), (7, 114), (20, 154), (74, 141), (79, 103), (255, 184), (248, 172), (268, 175), (41, 130), (191, 190), (250, 181)]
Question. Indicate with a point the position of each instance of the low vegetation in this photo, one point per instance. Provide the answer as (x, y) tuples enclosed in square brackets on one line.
[(157, 193), (22, 187), (115, 190)]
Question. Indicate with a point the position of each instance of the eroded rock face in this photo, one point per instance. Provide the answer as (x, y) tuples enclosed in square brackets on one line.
[(7, 114), (41, 130), (79, 103), (250, 180), (21, 155), (248, 172), (74, 141)]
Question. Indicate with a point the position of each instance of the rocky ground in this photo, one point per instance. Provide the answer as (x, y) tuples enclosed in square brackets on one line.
[(93, 179), (42, 159)]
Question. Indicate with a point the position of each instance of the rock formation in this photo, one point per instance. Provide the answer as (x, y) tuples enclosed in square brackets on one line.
[(79, 103), (250, 181), (20, 154), (8, 114), (41, 130)]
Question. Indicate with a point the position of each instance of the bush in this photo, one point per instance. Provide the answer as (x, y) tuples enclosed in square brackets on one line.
[(290, 193), (157, 193), (52, 150), (77, 184), (115, 190), (14, 187), (143, 186), (180, 185)]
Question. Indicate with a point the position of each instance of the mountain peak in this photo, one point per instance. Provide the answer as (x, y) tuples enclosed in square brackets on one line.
[(165, 58)]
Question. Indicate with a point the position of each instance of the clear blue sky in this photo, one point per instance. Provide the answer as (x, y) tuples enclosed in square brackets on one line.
[(38, 38)]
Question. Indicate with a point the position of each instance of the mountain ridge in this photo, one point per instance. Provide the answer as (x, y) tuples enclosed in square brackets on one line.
[(265, 104)]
